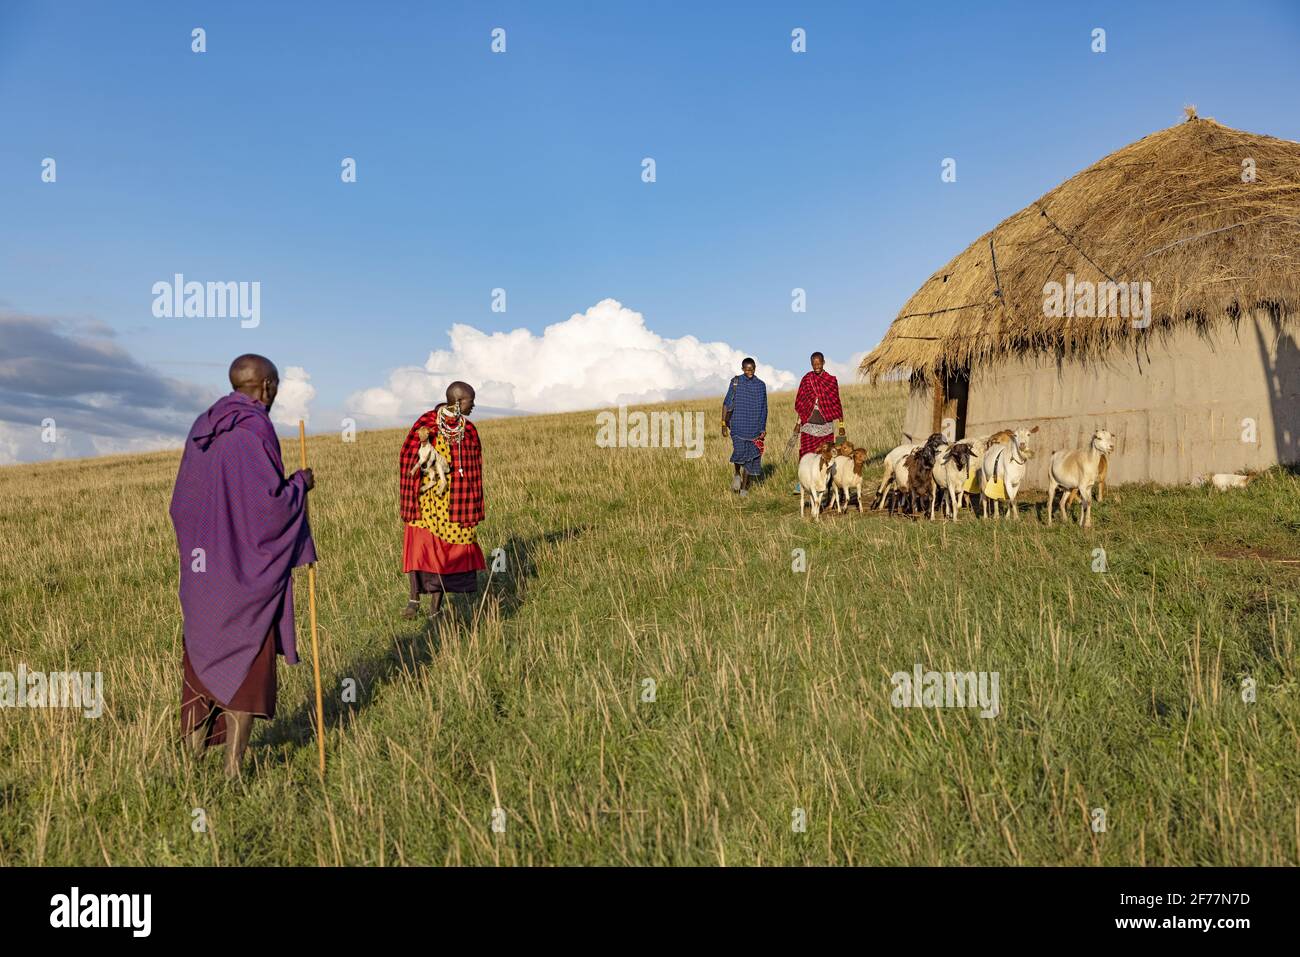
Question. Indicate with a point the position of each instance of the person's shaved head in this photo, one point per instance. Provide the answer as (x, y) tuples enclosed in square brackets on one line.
[(461, 394), (256, 377)]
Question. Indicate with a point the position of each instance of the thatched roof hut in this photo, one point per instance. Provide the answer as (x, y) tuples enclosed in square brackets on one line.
[(1202, 224)]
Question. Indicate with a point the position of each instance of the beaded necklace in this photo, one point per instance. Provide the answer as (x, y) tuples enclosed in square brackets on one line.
[(452, 428)]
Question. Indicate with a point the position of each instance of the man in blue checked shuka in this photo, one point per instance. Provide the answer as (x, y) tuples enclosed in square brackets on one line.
[(744, 414)]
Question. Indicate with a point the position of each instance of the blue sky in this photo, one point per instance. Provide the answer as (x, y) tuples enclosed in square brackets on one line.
[(522, 171)]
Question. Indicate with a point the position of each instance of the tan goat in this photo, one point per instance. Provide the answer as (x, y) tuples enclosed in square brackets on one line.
[(848, 476), (1078, 470)]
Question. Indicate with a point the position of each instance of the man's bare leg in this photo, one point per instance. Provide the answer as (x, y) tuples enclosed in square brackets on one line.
[(413, 605), (196, 740), (239, 728)]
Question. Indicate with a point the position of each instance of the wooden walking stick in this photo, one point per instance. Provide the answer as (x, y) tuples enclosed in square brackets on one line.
[(311, 603)]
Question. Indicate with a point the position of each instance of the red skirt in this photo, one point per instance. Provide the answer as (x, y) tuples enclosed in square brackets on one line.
[(811, 443), (423, 551), (255, 696)]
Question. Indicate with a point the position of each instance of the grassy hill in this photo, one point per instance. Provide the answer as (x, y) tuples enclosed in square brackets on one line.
[(1120, 690)]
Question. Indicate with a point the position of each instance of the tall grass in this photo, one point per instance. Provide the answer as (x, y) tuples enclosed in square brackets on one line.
[(1120, 690)]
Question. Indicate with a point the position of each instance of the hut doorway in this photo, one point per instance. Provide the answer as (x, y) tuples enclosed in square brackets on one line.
[(951, 391)]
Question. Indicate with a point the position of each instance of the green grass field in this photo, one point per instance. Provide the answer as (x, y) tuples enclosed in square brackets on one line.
[(1120, 691)]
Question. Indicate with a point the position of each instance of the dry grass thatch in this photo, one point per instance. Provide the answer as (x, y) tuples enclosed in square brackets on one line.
[(1171, 209)]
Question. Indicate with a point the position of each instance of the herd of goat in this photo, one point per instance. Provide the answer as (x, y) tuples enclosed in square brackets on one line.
[(917, 475)]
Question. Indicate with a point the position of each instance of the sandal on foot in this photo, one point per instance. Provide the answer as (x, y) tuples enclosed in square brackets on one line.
[(411, 610)]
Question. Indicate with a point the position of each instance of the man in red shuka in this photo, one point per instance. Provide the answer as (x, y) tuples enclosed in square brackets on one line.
[(817, 404)]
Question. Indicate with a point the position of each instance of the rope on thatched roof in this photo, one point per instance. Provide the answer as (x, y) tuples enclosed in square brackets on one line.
[(917, 315), (1179, 242), (969, 335), (1042, 212), (997, 280)]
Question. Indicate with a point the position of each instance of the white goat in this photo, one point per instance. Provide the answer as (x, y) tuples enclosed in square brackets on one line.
[(848, 477), (1007, 464), (887, 480), (1223, 481), (1226, 480), (1078, 470), (814, 477), (952, 470)]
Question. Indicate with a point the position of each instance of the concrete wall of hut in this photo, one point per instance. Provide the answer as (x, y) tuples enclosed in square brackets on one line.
[(1184, 408)]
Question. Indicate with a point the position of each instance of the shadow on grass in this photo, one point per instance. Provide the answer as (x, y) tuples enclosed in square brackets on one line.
[(509, 589), (409, 651)]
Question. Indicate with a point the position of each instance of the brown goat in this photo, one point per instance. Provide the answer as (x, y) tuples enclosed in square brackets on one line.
[(920, 478)]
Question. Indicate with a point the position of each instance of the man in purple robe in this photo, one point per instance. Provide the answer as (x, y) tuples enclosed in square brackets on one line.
[(241, 528)]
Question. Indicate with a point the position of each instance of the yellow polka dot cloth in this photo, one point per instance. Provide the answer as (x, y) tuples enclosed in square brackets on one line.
[(433, 509)]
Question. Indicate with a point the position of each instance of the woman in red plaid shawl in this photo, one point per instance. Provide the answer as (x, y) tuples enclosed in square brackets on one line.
[(817, 403), (441, 552)]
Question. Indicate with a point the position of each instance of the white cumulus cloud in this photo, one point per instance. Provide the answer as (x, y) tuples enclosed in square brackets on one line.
[(602, 357), (293, 398), (846, 372)]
